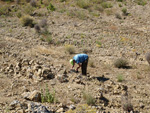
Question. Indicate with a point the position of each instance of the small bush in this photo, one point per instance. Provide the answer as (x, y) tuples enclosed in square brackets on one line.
[(98, 44), (121, 63), (83, 4), (43, 23), (88, 98), (106, 5), (70, 49), (91, 64), (141, 2), (27, 21), (46, 96), (120, 78), (37, 28), (118, 16), (33, 3), (51, 7), (124, 11)]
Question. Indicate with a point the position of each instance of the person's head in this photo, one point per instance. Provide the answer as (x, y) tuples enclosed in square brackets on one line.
[(71, 61)]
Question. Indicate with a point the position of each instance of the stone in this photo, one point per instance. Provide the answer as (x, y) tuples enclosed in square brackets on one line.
[(72, 107), (14, 104), (43, 109), (25, 95), (62, 78), (47, 73), (35, 96), (60, 110)]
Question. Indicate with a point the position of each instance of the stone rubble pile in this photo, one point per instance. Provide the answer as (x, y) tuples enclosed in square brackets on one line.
[(31, 69)]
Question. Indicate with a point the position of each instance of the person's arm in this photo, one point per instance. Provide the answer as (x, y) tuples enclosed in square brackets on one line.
[(73, 65), (79, 65)]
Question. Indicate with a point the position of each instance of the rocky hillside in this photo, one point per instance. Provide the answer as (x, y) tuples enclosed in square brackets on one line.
[(39, 37)]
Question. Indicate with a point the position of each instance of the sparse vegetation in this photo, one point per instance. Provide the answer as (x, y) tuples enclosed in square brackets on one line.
[(106, 5), (141, 2), (78, 14), (47, 96), (70, 49), (98, 43), (85, 4), (121, 63), (51, 7), (124, 11), (91, 63), (120, 78), (88, 98), (27, 21)]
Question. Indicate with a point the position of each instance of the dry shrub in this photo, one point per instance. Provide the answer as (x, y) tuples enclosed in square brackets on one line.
[(70, 49), (27, 21), (33, 3), (37, 28), (121, 63), (91, 63), (83, 3), (88, 98), (43, 23)]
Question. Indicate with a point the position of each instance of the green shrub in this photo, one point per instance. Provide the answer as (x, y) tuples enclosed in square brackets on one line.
[(27, 21), (98, 43), (141, 2), (47, 96), (120, 78), (106, 5), (124, 11), (70, 49), (50, 7), (88, 98), (121, 63), (83, 4)]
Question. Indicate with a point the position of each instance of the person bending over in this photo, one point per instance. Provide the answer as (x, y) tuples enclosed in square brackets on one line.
[(82, 61)]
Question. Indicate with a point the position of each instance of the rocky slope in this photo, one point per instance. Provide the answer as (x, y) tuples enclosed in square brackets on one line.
[(29, 66)]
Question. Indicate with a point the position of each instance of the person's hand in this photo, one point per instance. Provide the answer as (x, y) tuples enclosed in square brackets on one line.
[(77, 71)]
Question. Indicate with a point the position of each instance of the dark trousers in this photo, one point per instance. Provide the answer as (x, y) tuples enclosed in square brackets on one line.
[(84, 67)]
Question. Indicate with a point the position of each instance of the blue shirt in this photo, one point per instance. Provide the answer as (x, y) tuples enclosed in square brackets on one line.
[(80, 58)]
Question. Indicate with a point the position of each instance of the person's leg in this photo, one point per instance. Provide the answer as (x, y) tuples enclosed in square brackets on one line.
[(84, 67)]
